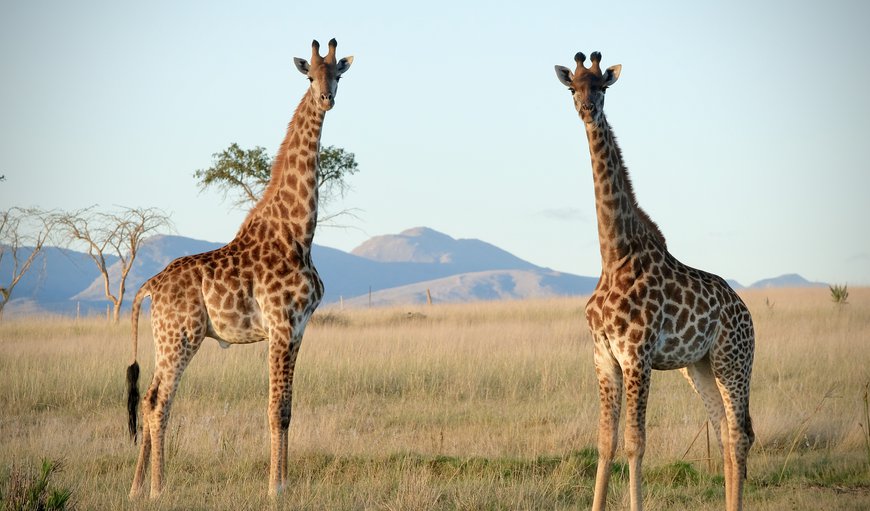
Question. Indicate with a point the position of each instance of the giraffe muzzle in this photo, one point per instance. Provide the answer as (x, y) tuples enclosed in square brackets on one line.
[(327, 101)]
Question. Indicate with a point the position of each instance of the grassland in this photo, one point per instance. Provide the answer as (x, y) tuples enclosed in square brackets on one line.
[(476, 406)]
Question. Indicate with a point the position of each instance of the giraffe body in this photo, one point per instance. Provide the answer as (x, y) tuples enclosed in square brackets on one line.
[(262, 286), (649, 311)]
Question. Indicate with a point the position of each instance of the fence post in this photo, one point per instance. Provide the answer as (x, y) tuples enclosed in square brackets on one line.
[(709, 457)]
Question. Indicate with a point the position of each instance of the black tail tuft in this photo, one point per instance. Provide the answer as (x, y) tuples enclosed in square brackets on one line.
[(132, 398), (750, 433)]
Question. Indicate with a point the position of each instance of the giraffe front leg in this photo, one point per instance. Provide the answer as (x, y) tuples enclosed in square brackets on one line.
[(637, 379), (610, 400), (283, 349)]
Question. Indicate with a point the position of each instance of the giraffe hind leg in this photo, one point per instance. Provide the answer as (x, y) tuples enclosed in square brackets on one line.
[(739, 438), (700, 376), (160, 420), (732, 379), (158, 401), (137, 488), (731, 423)]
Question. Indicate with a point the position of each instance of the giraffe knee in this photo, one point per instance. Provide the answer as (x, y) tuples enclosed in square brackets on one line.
[(285, 417), (279, 415), (606, 446), (635, 444), (149, 401)]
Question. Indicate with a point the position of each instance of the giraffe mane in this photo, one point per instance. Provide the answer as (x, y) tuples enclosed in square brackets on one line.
[(279, 164), (645, 219)]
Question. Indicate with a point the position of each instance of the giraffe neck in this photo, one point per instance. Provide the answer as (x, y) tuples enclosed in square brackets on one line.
[(621, 222), (290, 200)]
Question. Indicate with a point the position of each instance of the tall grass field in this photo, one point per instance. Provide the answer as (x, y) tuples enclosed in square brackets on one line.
[(472, 406)]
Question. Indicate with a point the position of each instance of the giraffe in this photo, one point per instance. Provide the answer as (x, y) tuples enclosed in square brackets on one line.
[(262, 286), (650, 311)]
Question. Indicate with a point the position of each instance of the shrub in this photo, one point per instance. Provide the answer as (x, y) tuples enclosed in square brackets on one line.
[(29, 490), (839, 294)]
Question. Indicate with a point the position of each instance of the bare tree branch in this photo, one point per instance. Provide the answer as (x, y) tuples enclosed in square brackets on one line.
[(22, 231), (118, 233)]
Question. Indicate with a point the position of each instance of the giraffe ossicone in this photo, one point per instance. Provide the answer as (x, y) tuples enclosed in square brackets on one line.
[(262, 286), (650, 311)]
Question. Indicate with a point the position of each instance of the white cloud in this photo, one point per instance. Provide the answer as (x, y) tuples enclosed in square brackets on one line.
[(564, 214)]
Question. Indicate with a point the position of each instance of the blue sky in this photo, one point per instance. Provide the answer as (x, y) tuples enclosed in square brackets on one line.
[(745, 125)]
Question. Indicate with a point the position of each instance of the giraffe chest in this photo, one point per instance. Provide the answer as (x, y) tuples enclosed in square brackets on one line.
[(261, 289), (295, 295), (648, 323)]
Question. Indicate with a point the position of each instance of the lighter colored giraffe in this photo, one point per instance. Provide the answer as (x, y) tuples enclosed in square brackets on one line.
[(262, 286), (650, 311)]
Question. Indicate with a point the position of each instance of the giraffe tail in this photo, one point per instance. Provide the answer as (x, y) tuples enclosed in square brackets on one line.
[(133, 369), (750, 433)]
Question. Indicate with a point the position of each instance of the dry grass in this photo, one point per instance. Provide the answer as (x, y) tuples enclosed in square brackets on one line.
[(476, 406)]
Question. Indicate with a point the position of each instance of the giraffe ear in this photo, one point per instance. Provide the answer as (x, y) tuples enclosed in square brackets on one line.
[(301, 65), (564, 75), (612, 74), (343, 65)]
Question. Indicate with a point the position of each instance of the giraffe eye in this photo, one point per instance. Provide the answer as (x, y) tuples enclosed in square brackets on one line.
[(311, 79), (571, 90)]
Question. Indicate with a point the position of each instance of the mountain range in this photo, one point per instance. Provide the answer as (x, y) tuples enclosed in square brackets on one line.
[(391, 269)]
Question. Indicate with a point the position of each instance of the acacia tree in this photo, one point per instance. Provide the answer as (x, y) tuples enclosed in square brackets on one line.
[(23, 233), (246, 173), (117, 233)]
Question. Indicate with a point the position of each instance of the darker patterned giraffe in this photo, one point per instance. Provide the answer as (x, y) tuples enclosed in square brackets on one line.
[(261, 286), (650, 311)]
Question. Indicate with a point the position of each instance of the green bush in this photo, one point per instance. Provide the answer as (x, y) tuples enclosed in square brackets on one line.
[(839, 294), (29, 490)]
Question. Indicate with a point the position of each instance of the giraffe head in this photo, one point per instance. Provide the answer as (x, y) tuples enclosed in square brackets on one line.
[(587, 85), (323, 73)]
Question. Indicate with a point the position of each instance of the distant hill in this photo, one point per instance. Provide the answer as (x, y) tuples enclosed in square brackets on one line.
[(56, 274), (461, 270), (484, 285), (787, 280), (397, 268), (424, 245), (737, 286)]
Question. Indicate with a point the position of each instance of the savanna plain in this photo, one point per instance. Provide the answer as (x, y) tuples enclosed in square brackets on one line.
[(473, 406)]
